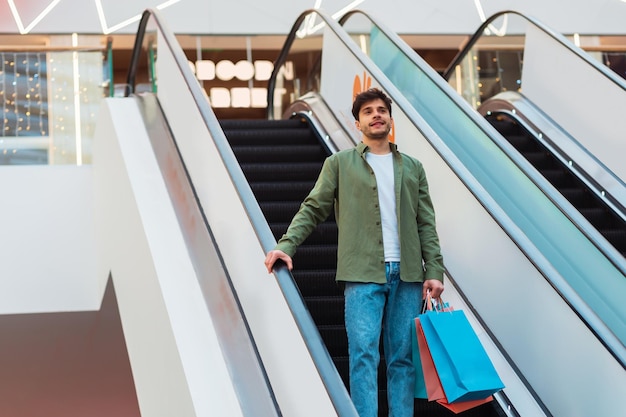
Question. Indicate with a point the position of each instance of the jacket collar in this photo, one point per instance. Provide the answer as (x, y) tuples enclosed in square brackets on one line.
[(362, 148)]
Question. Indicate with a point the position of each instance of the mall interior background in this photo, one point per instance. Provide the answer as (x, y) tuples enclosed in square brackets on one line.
[(48, 365), (220, 35)]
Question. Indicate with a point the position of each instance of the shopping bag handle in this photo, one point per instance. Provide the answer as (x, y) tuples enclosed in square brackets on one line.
[(435, 304)]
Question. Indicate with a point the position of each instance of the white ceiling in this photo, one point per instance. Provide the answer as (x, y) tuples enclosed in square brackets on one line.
[(275, 17)]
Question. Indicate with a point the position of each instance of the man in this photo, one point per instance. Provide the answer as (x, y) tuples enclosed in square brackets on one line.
[(388, 251)]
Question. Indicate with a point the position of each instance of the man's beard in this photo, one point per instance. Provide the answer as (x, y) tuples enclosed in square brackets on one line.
[(380, 135)]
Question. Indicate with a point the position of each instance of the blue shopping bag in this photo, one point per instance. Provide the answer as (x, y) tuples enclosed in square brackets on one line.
[(462, 364)]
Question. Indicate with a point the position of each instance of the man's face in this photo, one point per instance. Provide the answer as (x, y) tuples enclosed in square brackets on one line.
[(374, 120)]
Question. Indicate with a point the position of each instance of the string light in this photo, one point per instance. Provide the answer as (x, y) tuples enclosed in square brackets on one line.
[(23, 107), (22, 104)]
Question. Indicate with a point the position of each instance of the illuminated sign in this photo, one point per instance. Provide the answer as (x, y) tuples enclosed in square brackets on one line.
[(241, 97)]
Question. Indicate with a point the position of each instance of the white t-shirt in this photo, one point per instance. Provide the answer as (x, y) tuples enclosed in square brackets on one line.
[(383, 169)]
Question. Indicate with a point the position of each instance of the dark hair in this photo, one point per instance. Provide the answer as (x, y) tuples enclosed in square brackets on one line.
[(367, 96)]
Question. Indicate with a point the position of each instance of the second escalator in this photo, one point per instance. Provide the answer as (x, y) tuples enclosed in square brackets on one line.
[(597, 212)]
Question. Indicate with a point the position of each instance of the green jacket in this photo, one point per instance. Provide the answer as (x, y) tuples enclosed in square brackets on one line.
[(347, 183)]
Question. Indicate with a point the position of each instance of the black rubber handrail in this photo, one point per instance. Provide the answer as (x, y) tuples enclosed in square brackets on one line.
[(109, 51), (332, 381), (447, 73), (136, 53), (281, 59), (284, 53)]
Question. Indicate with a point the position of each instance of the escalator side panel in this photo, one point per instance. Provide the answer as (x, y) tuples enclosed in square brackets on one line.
[(295, 380), (177, 363), (579, 98)]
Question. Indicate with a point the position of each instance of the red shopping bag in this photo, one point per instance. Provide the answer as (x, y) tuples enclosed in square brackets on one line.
[(461, 406), (434, 388)]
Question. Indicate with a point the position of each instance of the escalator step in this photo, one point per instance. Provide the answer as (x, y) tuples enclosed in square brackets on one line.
[(343, 367), (539, 159), (316, 256), (256, 124), (580, 198), (575, 190), (560, 178), (326, 310), (280, 171), (276, 153), (324, 234), (522, 143), (317, 282), (505, 126), (600, 218), (618, 238), (281, 191), (281, 160), (279, 211), (335, 339), (272, 137)]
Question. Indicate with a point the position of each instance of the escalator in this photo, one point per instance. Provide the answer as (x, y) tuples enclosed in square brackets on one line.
[(559, 235), (247, 202), (281, 160), (573, 161), (605, 219)]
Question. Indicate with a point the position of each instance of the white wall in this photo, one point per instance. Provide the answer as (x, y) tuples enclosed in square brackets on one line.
[(47, 250), (277, 16)]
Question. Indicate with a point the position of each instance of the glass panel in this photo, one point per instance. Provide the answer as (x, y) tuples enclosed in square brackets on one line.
[(24, 133), (49, 102), (494, 63)]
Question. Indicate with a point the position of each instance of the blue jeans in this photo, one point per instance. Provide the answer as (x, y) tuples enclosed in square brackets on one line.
[(369, 309)]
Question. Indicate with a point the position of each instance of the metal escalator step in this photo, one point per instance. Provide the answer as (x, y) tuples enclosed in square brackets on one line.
[(335, 338), (600, 218), (281, 161), (326, 310), (505, 126), (560, 178), (317, 282), (280, 171), (342, 364), (253, 124), (279, 211), (618, 238), (274, 153), (324, 233), (540, 160), (316, 256), (580, 198), (522, 143), (271, 137), (281, 191)]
